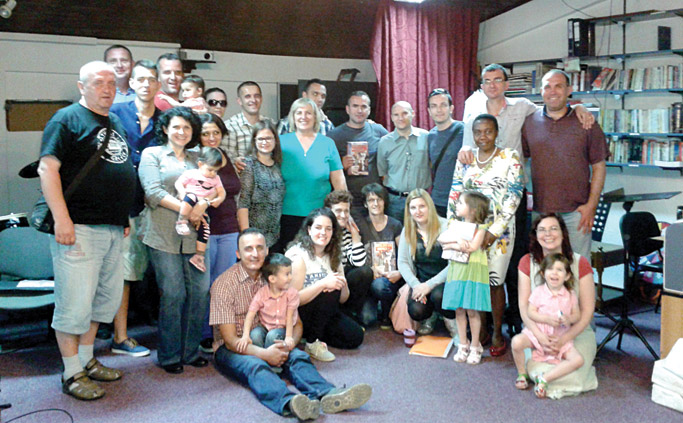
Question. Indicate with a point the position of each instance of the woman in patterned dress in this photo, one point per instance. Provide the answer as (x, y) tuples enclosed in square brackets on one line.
[(496, 173)]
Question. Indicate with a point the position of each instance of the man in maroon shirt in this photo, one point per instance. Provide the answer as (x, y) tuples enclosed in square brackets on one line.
[(567, 162)]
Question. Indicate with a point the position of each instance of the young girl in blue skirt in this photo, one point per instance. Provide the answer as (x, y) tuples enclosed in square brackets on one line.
[(467, 288)]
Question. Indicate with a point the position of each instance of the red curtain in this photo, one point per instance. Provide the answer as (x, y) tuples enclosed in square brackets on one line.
[(418, 47)]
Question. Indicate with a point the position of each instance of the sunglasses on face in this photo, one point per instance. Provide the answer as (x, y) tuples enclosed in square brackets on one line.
[(215, 103)]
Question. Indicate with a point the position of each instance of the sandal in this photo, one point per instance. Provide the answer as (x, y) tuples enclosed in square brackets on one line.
[(541, 387), (498, 351), (197, 261), (475, 355), (98, 371), (522, 381), (461, 355), (81, 387)]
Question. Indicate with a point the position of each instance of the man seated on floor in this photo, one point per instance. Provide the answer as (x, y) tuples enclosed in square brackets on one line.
[(231, 295)]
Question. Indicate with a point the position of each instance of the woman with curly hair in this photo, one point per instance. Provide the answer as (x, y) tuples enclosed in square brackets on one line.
[(184, 288), (318, 274)]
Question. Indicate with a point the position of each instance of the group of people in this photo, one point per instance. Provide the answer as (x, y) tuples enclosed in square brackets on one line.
[(181, 189)]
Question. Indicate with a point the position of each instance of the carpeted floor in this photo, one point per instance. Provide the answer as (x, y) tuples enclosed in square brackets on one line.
[(406, 388)]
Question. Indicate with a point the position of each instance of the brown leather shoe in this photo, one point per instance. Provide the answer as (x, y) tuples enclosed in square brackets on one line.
[(98, 371), (81, 387)]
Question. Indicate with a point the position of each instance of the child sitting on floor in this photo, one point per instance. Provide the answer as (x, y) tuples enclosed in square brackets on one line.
[(276, 306), (193, 186), (553, 308), (191, 92)]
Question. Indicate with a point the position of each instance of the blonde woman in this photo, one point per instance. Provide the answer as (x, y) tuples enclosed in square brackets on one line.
[(419, 259), (311, 167)]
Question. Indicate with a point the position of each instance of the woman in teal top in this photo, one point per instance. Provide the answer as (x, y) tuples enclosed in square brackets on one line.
[(311, 168)]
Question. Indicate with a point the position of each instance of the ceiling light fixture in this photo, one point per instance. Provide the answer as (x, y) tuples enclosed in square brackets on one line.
[(6, 9)]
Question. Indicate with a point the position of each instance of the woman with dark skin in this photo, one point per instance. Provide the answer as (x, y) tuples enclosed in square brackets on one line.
[(497, 174)]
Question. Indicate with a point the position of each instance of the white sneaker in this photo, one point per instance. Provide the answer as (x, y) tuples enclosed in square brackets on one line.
[(319, 351)]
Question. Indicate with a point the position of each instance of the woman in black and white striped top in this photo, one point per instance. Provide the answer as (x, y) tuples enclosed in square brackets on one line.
[(358, 273)]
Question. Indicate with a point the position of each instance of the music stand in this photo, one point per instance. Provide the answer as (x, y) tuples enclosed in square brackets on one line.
[(623, 322)]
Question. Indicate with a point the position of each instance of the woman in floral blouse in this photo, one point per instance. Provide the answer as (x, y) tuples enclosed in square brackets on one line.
[(496, 173)]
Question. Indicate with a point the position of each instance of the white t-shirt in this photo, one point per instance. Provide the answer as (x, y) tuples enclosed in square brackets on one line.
[(316, 267)]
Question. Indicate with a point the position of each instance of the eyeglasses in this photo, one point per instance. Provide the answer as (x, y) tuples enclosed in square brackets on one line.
[(493, 81), (214, 103), (554, 229), (265, 139)]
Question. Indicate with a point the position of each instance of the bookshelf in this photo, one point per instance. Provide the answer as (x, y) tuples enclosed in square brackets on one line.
[(643, 131)]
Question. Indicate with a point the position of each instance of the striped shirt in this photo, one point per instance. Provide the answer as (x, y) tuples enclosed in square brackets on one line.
[(231, 295), (352, 254)]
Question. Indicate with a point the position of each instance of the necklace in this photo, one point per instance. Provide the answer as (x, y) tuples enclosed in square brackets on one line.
[(479, 162)]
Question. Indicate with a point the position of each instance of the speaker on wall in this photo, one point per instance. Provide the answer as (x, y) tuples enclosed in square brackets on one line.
[(673, 259)]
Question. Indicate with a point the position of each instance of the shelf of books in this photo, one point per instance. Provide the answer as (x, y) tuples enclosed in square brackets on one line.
[(592, 80)]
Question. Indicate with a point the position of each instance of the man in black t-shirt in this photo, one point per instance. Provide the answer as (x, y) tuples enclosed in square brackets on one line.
[(90, 227), (358, 128)]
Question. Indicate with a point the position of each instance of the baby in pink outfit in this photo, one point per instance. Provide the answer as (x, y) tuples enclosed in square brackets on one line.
[(553, 309)]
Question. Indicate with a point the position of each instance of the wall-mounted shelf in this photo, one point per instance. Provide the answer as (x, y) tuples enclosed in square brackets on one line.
[(608, 92), (643, 134)]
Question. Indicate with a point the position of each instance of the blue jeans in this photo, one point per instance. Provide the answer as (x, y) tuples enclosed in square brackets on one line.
[(385, 292), (270, 390), (222, 255), (88, 277), (184, 292), (264, 338), (396, 207)]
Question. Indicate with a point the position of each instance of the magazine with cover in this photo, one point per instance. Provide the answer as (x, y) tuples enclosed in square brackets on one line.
[(384, 256), (458, 230), (359, 151), (432, 346)]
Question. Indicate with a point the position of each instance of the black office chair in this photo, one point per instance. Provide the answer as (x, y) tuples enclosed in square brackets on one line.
[(637, 230)]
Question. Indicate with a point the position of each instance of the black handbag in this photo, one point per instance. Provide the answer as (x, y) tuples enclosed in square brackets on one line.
[(41, 217)]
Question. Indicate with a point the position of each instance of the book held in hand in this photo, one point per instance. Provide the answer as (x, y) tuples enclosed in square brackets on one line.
[(457, 230), (384, 256), (359, 151)]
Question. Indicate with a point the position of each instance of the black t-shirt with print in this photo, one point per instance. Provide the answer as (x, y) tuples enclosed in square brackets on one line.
[(105, 196)]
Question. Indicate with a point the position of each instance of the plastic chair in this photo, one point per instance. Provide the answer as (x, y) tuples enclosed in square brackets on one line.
[(25, 255)]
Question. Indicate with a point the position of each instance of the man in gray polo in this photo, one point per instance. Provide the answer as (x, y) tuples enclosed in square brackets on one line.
[(403, 159)]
